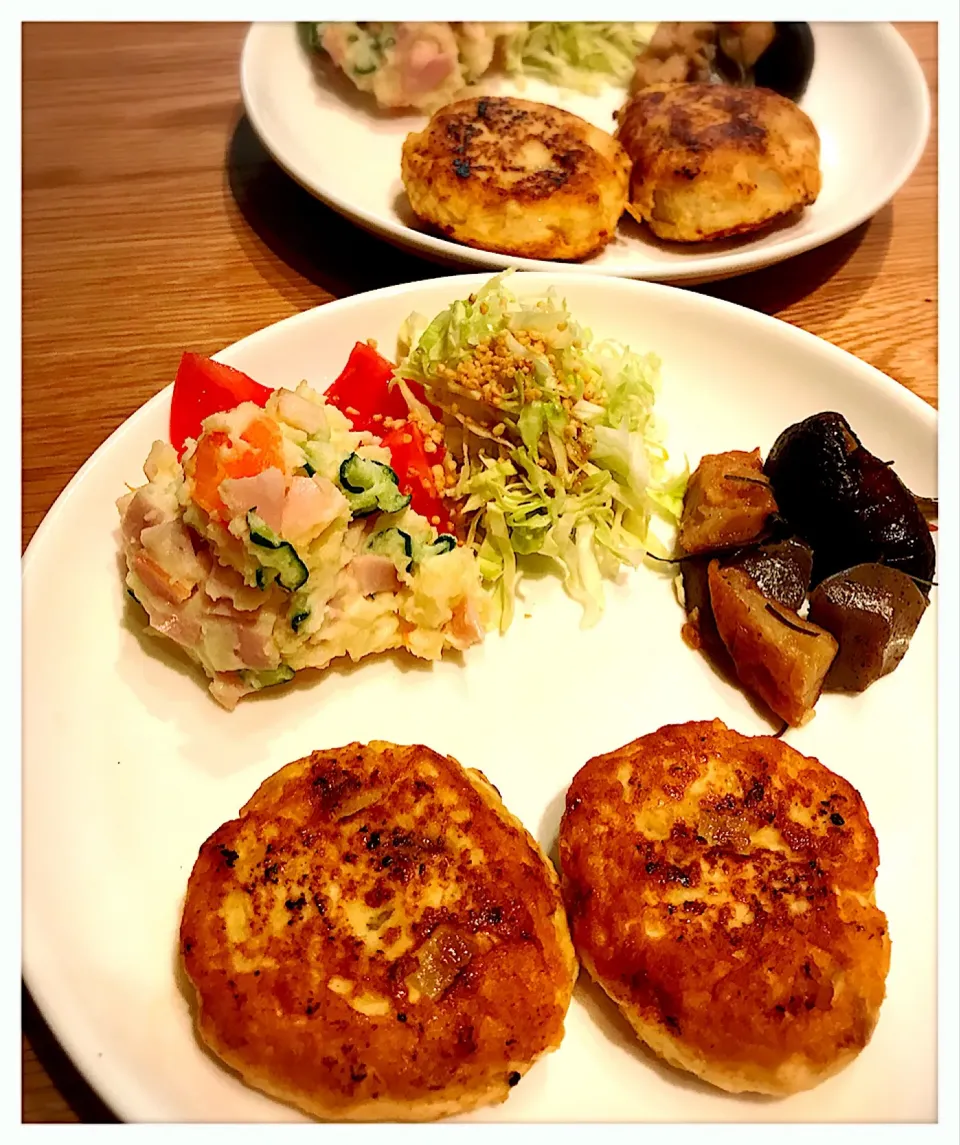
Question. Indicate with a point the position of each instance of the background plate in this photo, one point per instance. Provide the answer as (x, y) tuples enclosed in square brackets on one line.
[(129, 765), (867, 96)]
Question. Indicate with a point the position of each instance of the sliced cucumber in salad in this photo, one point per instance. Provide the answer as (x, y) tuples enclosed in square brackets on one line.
[(277, 554), (405, 550), (267, 677), (395, 544), (370, 486)]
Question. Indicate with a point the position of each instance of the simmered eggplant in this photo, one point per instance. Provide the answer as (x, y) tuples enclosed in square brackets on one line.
[(727, 503), (780, 569), (777, 656), (755, 53), (873, 611), (845, 502)]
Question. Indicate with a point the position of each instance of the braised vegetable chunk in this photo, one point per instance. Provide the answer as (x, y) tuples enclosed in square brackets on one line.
[(780, 657), (823, 512), (700, 630), (847, 503), (873, 611), (780, 569), (727, 503)]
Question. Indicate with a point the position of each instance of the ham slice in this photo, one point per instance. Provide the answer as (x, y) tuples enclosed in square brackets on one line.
[(465, 627), (374, 573), (146, 507), (312, 503), (170, 545), (158, 581), (227, 584), (227, 688), (265, 493)]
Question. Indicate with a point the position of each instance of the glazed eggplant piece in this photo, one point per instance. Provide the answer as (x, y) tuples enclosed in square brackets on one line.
[(873, 611), (846, 503), (776, 55), (787, 64), (778, 657), (780, 569)]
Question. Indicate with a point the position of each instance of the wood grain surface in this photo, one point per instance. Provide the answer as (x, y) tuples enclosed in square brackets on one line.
[(153, 221)]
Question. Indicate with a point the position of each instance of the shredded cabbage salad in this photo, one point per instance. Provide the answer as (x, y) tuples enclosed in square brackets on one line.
[(580, 56), (554, 444)]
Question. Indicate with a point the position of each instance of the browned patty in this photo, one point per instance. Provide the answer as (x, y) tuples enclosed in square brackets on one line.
[(720, 890), (517, 177), (377, 938), (711, 161)]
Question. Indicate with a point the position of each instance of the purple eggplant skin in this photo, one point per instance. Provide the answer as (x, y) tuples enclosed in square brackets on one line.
[(846, 503), (780, 569), (872, 611)]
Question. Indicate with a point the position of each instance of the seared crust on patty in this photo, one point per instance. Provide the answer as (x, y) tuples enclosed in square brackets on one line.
[(711, 161), (377, 938), (720, 890), (517, 177)]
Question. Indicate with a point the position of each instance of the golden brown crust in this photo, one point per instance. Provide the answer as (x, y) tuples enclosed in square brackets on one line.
[(720, 890), (712, 161), (377, 938), (778, 656), (517, 177), (727, 502)]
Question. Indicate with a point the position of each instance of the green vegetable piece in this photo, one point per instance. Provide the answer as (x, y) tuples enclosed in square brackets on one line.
[(443, 544), (266, 678), (395, 544), (276, 554), (370, 485)]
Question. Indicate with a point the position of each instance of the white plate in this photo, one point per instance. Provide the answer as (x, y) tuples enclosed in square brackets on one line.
[(129, 765), (867, 96)]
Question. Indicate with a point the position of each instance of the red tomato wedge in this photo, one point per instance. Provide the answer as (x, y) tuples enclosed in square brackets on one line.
[(363, 389), (413, 467), (204, 387)]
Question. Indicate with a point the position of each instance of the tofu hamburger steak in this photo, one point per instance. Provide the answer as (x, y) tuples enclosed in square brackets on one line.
[(517, 177), (376, 937), (712, 161), (720, 889)]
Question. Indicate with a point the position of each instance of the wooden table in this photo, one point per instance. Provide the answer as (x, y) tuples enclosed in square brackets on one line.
[(153, 221)]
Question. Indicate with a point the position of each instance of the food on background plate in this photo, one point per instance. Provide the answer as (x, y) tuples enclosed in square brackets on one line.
[(822, 517), (376, 937), (516, 177), (280, 539), (720, 889), (778, 56), (422, 65), (711, 161), (717, 144)]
